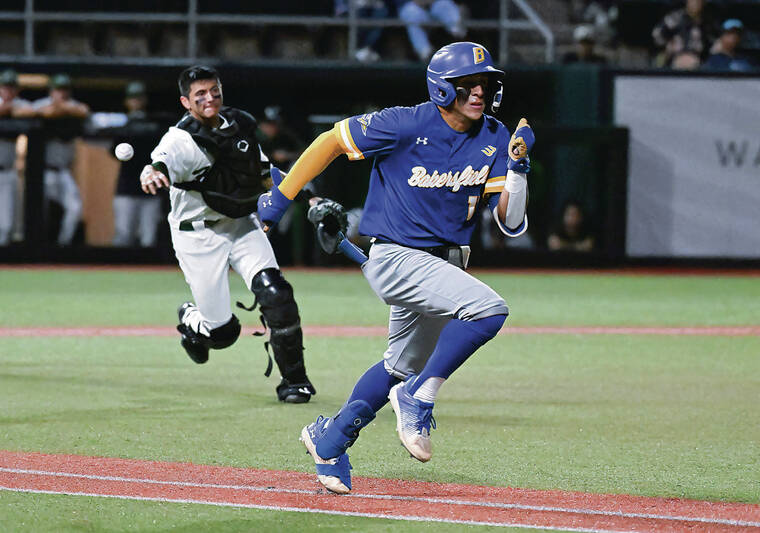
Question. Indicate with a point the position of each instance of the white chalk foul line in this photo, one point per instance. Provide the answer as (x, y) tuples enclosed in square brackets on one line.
[(448, 501)]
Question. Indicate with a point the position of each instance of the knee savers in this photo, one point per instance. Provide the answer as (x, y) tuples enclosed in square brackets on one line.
[(280, 311), (225, 335)]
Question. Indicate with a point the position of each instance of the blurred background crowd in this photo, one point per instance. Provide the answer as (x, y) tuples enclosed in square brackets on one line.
[(628, 33)]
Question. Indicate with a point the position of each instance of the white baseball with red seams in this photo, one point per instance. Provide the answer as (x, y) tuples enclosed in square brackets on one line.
[(124, 151)]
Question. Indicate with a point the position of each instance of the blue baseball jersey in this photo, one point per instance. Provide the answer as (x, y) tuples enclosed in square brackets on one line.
[(427, 179)]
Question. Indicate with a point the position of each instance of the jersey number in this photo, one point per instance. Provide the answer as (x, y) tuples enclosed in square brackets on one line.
[(472, 203)]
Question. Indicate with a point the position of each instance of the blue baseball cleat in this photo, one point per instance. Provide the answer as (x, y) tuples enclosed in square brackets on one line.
[(414, 419), (335, 473)]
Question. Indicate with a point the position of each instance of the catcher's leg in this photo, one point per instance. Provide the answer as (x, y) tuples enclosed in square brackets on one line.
[(197, 340), (275, 298), (208, 323)]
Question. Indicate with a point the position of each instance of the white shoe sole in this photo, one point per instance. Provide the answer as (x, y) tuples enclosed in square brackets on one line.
[(331, 483), (418, 446)]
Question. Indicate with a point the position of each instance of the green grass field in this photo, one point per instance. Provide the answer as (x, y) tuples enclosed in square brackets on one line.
[(638, 414)]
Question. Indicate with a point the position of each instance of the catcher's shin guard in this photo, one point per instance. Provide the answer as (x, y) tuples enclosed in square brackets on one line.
[(280, 311), (343, 429)]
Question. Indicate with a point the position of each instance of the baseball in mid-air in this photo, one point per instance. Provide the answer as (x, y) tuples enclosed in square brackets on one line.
[(124, 151)]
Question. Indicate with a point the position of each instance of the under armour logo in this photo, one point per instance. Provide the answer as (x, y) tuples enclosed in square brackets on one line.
[(242, 145), (422, 140)]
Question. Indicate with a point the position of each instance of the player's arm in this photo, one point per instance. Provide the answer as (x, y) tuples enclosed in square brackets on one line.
[(22, 110), (512, 202), (311, 163), (167, 159), (322, 151), (74, 108), (510, 205), (154, 177)]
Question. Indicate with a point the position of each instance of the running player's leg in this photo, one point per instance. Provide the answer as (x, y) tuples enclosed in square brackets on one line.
[(449, 315), (434, 288), (412, 337)]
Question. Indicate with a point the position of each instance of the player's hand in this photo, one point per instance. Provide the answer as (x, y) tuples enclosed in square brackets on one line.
[(151, 180), (271, 206), (519, 146)]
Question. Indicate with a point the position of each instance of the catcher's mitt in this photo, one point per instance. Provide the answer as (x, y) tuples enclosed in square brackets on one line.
[(330, 219)]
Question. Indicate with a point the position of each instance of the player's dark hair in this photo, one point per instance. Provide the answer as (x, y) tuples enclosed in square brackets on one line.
[(195, 73)]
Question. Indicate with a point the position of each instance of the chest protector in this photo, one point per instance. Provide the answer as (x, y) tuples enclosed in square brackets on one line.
[(234, 182)]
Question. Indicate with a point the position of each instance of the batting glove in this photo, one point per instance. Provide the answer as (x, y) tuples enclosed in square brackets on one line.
[(519, 145), (272, 205)]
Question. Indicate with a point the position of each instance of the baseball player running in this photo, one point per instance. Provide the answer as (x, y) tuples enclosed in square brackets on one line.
[(433, 165), (213, 167)]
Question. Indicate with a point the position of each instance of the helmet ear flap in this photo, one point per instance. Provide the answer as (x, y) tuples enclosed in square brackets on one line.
[(450, 91), (497, 95), (441, 90)]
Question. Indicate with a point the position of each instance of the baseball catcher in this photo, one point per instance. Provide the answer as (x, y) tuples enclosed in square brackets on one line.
[(213, 167)]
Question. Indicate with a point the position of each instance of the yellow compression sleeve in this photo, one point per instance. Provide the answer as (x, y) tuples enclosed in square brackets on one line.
[(312, 162)]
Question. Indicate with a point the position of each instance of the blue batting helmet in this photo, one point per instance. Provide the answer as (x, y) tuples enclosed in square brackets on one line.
[(461, 59)]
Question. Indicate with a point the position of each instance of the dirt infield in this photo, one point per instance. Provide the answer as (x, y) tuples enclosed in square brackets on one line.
[(371, 497), (381, 331)]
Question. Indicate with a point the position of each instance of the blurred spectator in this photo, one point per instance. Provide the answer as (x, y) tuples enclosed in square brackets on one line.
[(11, 106), (136, 215), (368, 36), (278, 141), (683, 36), (417, 12), (686, 61), (584, 47), (723, 54), (64, 117), (601, 14), (572, 233)]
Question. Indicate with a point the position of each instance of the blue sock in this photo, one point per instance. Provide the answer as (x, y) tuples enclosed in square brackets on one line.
[(457, 342), (373, 387)]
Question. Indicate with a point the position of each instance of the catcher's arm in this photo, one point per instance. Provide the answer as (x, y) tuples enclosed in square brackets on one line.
[(152, 179)]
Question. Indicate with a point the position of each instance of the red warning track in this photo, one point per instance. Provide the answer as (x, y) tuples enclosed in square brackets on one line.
[(371, 497), (380, 331)]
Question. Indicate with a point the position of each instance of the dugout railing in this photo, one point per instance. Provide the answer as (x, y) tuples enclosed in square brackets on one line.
[(26, 20)]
